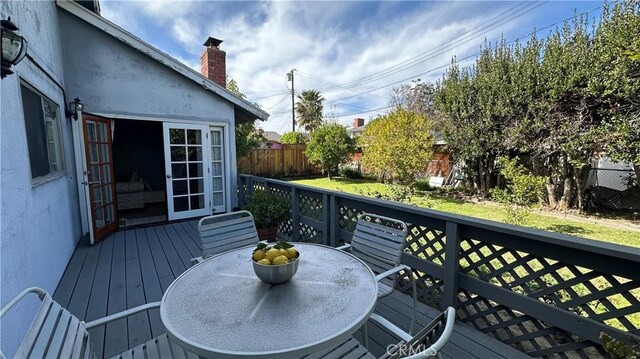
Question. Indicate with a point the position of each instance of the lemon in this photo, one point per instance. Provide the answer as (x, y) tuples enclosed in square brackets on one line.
[(258, 255), (280, 260), (273, 253), (264, 261), (291, 253), (285, 253)]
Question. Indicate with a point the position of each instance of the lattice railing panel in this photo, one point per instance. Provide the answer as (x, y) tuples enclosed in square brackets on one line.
[(311, 207), (348, 217), (524, 332), (426, 243), (310, 234), (286, 228)]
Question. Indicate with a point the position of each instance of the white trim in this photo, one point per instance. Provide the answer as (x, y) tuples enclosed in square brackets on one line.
[(82, 178), (227, 167), (215, 122), (120, 34)]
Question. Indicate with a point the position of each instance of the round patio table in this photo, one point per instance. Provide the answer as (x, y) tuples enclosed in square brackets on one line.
[(219, 308)]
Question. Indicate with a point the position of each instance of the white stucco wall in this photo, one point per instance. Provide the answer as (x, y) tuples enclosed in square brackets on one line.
[(110, 77), (40, 224)]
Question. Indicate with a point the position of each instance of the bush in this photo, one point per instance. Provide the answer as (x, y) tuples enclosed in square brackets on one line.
[(268, 210), (423, 185), (396, 193), (292, 138), (351, 173)]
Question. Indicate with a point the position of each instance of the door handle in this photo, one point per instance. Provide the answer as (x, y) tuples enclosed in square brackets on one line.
[(169, 175), (94, 182)]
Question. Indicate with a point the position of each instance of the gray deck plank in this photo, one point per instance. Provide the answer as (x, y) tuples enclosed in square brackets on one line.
[(138, 324), (178, 244), (80, 299), (151, 283), (163, 270), (175, 262), (116, 337), (64, 291), (189, 237), (98, 299)]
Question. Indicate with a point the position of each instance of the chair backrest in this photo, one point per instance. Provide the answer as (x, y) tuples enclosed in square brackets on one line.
[(379, 241), (227, 231), (54, 331), (429, 341)]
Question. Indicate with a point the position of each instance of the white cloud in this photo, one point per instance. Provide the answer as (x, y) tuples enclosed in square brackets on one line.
[(338, 42)]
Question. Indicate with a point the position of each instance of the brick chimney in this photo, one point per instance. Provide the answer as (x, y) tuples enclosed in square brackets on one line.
[(358, 122), (213, 62)]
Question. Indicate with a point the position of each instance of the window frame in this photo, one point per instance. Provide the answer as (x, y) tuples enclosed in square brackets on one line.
[(58, 139)]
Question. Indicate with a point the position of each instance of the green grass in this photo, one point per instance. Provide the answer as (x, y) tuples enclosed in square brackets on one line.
[(489, 211)]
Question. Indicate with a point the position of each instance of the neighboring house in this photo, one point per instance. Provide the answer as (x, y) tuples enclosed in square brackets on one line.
[(357, 129), (273, 140), (153, 138)]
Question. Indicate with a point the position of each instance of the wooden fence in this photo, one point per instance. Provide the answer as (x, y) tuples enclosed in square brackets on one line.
[(288, 161)]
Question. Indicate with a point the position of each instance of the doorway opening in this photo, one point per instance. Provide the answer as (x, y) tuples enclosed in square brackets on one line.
[(138, 153)]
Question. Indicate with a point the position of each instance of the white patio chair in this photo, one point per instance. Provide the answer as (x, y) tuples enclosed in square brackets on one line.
[(426, 344), (380, 242), (223, 232), (56, 333)]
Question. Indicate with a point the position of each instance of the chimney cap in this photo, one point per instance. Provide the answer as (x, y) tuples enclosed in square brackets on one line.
[(212, 42)]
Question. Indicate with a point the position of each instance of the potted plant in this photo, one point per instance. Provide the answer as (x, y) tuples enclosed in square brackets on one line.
[(268, 211)]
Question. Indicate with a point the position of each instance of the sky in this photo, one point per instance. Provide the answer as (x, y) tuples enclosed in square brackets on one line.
[(353, 52)]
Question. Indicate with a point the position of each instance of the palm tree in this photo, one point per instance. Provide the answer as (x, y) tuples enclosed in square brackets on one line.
[(309, 110)]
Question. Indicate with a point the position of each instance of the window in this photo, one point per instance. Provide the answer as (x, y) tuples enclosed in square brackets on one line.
[(42, 121)]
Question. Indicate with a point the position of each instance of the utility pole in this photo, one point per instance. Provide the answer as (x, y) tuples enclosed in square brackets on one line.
[(293, 99)]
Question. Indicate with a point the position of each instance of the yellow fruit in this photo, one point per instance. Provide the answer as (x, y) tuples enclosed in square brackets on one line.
[(258, 255), (292, 253), (280, 260), (265, 262), (273, 253)]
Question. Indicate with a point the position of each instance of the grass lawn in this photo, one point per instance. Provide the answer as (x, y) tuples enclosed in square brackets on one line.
[(490, 211)]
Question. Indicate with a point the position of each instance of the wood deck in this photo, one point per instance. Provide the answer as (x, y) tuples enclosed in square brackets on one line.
[(135, 266)]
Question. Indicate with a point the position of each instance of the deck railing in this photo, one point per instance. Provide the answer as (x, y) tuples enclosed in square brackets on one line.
[(546, 294)]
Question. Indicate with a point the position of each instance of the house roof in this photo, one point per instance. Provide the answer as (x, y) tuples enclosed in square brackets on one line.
[(244, 110), (272, 136)]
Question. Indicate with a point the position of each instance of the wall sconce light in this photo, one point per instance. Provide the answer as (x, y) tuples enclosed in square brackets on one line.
[(74, 108), (14, 46)]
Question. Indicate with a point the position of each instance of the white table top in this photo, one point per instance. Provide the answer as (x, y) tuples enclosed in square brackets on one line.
[(220, 308)]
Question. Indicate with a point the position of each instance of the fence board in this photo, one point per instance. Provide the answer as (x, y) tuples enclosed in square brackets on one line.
[(288, 161)]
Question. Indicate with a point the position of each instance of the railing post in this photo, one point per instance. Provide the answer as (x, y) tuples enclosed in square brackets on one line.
[(295, 215), (250, 185), (326, 214), (241, 190), (451, 265), (334, 223)]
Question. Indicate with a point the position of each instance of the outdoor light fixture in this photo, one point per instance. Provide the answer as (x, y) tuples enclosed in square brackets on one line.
[(74, 108), (14, 46)]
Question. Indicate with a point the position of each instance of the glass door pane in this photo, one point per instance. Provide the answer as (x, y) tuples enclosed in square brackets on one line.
[(217, 170), (187, 167)]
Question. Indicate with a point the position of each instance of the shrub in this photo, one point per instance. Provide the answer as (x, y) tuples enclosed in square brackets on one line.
[(348, 172), (423, 185), (292, 138), (396, 193), (268, 210)]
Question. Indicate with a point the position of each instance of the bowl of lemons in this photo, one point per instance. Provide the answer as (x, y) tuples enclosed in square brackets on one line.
[(275, 264)]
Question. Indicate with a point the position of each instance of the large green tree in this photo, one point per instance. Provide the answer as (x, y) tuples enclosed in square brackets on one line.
[(398, 145), (293, 138), (309, 110), (330, 145)]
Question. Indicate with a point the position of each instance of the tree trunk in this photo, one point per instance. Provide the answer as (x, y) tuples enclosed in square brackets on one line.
[(551, 193), (481, 178), (581, 175), (565, 200)]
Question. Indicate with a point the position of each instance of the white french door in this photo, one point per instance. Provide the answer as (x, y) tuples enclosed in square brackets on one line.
[(217, 170), (187, 165)]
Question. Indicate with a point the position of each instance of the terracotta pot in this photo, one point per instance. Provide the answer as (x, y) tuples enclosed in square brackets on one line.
[(268, 234)]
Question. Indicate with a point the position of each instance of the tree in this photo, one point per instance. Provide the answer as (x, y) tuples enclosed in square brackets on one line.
[(417, 97), (330, 145), (398, 145), (292, 138), (248, 136), (309, 110)]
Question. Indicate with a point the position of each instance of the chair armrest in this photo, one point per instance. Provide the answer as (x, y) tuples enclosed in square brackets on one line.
[(391, 327), (435, 348), (123, 314), (344, 247), (391, 271), (39, 291)]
